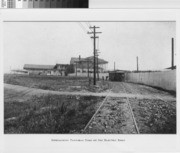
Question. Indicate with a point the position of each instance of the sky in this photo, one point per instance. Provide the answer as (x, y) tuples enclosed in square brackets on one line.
[(120, 42)]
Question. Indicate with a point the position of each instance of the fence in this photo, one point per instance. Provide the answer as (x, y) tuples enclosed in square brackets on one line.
[(101, 75), (163, 79)]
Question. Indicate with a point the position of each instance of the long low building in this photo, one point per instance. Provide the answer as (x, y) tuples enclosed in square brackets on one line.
[(58, 69)]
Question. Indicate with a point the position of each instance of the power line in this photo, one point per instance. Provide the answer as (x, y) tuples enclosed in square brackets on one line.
[(82, 27)]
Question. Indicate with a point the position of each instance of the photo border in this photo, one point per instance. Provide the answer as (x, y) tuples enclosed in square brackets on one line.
[(44, 142)]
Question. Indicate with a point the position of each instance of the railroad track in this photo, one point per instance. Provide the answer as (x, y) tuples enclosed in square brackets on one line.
[(131, 111), (129, 108), (105, 99)]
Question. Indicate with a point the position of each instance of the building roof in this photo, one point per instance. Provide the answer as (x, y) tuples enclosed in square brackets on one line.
[(100, 61), (38, 67), (90, 59), (65, 65)]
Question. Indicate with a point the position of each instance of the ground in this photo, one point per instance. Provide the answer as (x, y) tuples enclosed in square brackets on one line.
[(46, 104)]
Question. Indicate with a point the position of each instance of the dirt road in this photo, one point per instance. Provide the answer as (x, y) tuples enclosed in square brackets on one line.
[(132, 91)]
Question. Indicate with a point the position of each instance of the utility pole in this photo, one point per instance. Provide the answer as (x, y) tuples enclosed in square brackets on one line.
[(114, 66), (97, 67), (94, 37), (137, 64), (88, 67), (172, 64), (76, 68), (97, 63)]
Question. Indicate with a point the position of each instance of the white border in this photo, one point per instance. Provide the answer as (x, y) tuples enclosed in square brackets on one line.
[(133, 143), (135, 4)]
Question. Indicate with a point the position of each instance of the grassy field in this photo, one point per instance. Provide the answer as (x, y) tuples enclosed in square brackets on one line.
[(56, 83), (49, 114)]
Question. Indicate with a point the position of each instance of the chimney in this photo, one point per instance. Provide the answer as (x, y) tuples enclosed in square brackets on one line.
[(79, 57)]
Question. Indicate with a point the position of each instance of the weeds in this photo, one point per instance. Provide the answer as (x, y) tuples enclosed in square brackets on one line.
[(49, 114)]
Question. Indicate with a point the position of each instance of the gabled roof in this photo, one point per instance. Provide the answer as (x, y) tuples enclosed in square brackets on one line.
[(100, 61), (38, 67), (90, 59)]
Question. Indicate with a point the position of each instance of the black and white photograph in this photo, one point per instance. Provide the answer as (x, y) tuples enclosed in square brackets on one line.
[(89, 77)]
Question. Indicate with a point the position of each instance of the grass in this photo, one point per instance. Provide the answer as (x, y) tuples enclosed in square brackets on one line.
[(49, 114), (55, 83)]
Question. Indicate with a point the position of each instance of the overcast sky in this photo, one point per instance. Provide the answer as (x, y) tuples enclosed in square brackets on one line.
[(56, 42)]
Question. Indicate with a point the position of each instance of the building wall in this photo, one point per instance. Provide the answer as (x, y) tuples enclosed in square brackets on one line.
[(165, 79), (91, 75)]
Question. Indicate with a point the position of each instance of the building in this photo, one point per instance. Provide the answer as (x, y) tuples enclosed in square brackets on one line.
[(82, 65), (58, 69), (45, 4), (62, 69), (39, 69)]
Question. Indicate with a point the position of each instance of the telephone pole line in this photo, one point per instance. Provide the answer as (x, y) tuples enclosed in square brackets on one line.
[(137, 64), (94, 37)]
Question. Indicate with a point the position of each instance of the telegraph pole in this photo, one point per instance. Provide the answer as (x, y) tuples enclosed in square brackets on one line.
[(88, 67), (137, 64), (114, 66), (94, 37), (76, 68)]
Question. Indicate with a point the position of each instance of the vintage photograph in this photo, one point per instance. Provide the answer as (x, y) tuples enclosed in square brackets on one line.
[(89, 77)]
